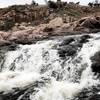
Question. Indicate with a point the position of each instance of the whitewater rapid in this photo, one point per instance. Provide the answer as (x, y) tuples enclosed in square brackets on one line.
[(41, 63)]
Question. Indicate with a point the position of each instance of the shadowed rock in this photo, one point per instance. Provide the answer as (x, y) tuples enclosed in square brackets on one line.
[(96, 62), (84, 38), (67, 41), (95, 97), (71, 45), (47, 29), (88, 24), (96, 67), (69, 50)]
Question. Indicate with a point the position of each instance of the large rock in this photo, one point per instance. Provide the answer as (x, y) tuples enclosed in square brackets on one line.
[(84, 38), (68, 50), (71, 45), (57, 22), (67, 41)]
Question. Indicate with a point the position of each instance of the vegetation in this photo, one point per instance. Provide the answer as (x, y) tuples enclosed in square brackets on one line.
[(34, 3), (95, 4), (7, 25)]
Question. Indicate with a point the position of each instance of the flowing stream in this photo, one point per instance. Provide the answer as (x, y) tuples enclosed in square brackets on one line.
[(37, 72)]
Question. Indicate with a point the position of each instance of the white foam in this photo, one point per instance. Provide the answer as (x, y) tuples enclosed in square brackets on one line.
[(28, 60), (57, 91), (10, 79)]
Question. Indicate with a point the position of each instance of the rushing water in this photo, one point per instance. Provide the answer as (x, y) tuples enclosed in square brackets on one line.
[(41, 74)]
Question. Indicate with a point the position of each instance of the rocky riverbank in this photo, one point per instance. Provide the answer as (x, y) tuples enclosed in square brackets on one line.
[(23, 34)]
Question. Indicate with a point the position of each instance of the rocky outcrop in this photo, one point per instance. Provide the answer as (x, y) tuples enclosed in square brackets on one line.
[(71, 45), (26, 34), (86, 24)]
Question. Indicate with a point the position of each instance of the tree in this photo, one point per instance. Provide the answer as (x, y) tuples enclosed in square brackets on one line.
[(96, 4), (58, 0), (90, 4), (51, 4), (77, 3), (33, 2)]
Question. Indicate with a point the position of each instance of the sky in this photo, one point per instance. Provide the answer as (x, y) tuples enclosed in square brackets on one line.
[(5, 3)]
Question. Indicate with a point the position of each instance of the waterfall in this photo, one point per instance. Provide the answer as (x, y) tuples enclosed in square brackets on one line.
[(41, 74)]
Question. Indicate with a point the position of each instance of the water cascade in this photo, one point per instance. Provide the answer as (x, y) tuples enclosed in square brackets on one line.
[(38, 72)]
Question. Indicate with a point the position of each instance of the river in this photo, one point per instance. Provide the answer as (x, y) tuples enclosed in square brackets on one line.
[(38, 72)]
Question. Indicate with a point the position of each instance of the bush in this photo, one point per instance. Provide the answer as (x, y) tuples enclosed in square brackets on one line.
[(6, 26)]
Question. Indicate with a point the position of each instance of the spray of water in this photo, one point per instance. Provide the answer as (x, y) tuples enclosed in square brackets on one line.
[(31, 63)]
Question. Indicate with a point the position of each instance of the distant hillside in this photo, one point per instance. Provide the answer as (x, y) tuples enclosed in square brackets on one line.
[(35, 15)]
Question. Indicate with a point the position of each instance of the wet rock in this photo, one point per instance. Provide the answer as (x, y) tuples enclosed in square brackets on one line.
[(96, 57), (96, 67), (14, 95), (96, 62), (67, 41), (95, 97), (71, 45), (89, 94), (62, 53), (69, 50), (12, 47), (23, 93), (84, 38)]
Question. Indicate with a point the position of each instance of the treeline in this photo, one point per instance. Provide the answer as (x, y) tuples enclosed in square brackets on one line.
[(59, 4), (95, 4)]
